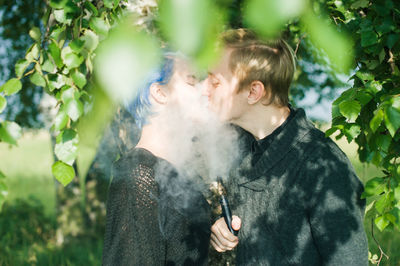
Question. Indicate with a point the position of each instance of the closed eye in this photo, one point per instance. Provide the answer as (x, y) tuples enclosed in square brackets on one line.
[(191, 80)]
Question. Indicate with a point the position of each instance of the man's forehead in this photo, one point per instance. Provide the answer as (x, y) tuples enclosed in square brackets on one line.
[(222, 67)]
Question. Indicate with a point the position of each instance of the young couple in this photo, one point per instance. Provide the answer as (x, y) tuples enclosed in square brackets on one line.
[(294, 194)]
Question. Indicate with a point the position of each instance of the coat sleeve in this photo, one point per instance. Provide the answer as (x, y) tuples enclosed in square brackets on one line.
[(132, 235), (335, 210)]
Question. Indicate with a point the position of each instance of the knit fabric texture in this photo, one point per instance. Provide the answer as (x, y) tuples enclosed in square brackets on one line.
[(154, 215)]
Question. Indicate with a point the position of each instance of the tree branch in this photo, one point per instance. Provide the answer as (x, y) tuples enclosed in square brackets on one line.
[(379, 246), (298, 44)]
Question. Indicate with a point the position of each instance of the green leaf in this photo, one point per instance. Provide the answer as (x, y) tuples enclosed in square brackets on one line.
[(79, 79), (92, 8), (55, 53), (392, 119), (91, 40), (10, 132), (397, 192), (331, 131), (351, 131), (325, 36), (33, 53), (20, 67), (392, 39), (35, 34), (77, 45), (49, 66), (38, 79), (268, 17), (62, 17), (67, 94), (58, 4), (64, 173), (383, 142), (74, 109), (60, 120), (376, 120), (396, 214), (381, 222), (123, 60), (382, 55), (99, 26), (108, 3), (365, 76), (374, 186), (12, 86), (368, 38), (66, 147), (363, 97), (91, 127), (70, 59), (189, 25), (382, 203), (56, 81), (3, 103), (360, 4), (350, 109), (369, 211), (56, 32)]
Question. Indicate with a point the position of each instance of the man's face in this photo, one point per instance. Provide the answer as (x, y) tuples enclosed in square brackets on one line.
[(221, 90)]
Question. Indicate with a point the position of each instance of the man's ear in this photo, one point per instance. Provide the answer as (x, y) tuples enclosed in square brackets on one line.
[(257, 91), (158, 94)]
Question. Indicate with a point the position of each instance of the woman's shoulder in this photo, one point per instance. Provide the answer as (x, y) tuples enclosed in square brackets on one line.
[(134, 165)]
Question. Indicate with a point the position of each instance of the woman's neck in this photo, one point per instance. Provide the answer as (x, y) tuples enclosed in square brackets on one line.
[(154, 139)]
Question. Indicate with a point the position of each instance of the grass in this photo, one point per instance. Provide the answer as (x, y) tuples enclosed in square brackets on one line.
[(28, 171)]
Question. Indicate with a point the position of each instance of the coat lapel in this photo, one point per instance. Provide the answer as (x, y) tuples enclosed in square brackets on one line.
[(293, 134)]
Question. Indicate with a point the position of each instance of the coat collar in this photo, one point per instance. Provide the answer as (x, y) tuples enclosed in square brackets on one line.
[(294, 133)]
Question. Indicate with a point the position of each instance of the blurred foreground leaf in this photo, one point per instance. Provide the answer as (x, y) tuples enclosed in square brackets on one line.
[(91, 128), (10, 132), (124, 60), (267, 17), (336, 45), (192, 27)]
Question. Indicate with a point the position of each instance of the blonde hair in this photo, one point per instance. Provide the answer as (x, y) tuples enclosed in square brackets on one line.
[(271, 62)]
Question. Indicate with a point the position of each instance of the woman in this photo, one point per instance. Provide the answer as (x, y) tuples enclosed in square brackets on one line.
[(155, 215)]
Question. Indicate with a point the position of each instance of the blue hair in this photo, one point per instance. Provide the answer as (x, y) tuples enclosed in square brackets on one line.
[(140, 107)]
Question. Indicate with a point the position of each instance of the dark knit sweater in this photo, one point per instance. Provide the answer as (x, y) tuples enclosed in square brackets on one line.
[(300, 202), (154, 216)]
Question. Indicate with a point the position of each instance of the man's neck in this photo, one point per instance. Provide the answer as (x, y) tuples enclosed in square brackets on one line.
[(262, 120)]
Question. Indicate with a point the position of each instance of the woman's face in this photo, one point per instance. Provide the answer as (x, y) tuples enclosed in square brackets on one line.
[(185, 93)]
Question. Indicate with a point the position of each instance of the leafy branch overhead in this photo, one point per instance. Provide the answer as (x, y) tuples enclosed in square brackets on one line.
[(369, 112)]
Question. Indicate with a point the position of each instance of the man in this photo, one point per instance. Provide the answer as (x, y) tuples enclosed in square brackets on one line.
[(295, 194)]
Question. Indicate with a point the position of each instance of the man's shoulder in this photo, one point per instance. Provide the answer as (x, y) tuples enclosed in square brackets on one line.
[(314, 139)]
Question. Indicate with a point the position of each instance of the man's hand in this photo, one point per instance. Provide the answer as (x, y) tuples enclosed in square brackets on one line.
[(221, 238)]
